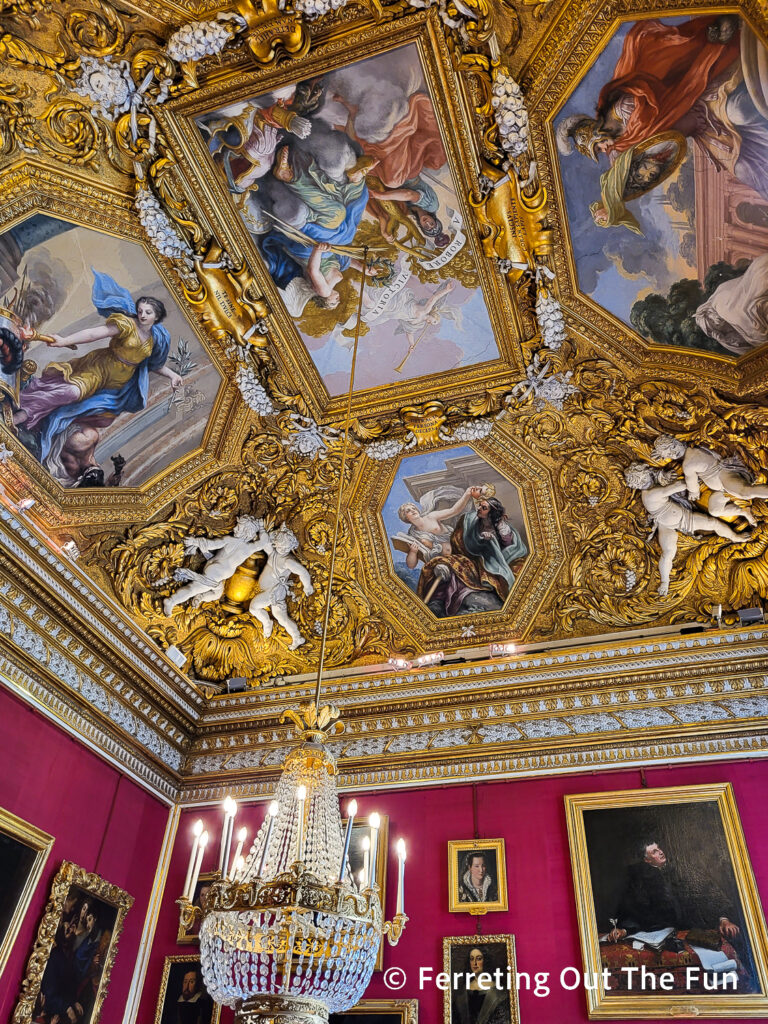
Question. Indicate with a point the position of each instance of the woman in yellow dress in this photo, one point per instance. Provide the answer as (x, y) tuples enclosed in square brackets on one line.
[(95, 388)]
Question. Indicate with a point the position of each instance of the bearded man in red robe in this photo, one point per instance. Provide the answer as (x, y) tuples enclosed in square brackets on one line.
[(662, 74)]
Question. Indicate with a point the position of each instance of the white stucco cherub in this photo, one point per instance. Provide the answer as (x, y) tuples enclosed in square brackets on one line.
[(274, 584), (225, 555), (724, 477), (671, 514)]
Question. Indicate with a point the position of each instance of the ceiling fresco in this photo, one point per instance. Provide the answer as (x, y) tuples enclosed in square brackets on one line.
[(456, 531), (558, 428), (323, 167), (664, 160), (114, 386)]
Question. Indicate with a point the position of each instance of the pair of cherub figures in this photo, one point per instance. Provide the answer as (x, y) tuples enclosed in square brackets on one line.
[(226, 554), (671, 513)]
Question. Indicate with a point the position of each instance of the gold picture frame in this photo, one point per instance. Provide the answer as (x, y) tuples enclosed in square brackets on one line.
[(184, 936), (451, 96), (172, 981), (463, 855), (360, 829), (708, 880), (27, 847), (396, 1011), (74, 892), (497, 954)]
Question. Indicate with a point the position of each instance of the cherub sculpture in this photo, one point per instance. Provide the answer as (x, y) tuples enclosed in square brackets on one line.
[(226, 554), (672, 514), (723, 477), (275, 586)]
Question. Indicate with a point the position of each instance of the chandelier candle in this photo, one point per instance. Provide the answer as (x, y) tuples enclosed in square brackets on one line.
[(366, 844), (374, 821), (242, 835), (202, 842), (274, 807), (351, 812), (230, 810), (400, 875), (301, 796), (197, 830)]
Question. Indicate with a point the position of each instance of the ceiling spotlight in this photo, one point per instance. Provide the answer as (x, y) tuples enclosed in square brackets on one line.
[(501, 650), (433, 658), (751, 616), (25, 504), (238, 684), (400, 664), (70, 549), (176, 656)]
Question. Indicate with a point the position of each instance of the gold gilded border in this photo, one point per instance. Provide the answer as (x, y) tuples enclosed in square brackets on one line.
[(563, 59), (406, 1009), (720, 1005), (511, 975), (70, 874), (453, 109), (169, 961), (35, 839), (459, 846), (30, 189)]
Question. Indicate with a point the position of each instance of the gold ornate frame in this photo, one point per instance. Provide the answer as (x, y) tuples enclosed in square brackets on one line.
[(331, 50), (482, 940), (532, 479), (599, 1004), (563, 58), (169, 961), (407, 1010), (84, 203), (456, 847), (40, 842), (70, 874)]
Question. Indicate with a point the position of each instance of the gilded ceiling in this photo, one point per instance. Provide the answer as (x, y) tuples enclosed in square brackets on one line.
[(548, 223)]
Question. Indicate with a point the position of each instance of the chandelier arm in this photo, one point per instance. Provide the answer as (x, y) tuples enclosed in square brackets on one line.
[(347, 414)]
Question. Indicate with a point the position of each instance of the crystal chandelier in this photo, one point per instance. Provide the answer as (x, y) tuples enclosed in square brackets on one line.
[(288, 935)]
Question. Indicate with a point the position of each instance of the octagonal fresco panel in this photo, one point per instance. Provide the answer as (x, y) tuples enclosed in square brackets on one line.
[(457, 531), (103, 380), (669, 218), (351, 158)]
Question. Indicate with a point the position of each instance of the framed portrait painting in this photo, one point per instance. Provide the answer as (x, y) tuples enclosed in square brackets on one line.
[(669, 914), (484, 980), (183, 997), (202, 887), (24, 850), (69, 968), (379, 1011), (477, 876), (358, 860)]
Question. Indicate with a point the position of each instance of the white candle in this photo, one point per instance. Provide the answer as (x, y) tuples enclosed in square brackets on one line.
[(400, 875), (301, 796), (274, 807), (238, 869), (241, 837), (374, 821), (351, 812), (229, 804), (364, 874), (198, 864), (197, 829)]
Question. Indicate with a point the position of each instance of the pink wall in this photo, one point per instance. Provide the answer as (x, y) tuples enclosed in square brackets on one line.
[(542, 917), (100, 819)]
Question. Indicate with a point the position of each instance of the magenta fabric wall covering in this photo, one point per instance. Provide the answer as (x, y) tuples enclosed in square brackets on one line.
[(101, 820), (529, 814)]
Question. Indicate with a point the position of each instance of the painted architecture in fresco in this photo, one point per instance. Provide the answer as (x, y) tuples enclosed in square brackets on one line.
[(347, 159), (103, 380), (456, 531), (664, 158)]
